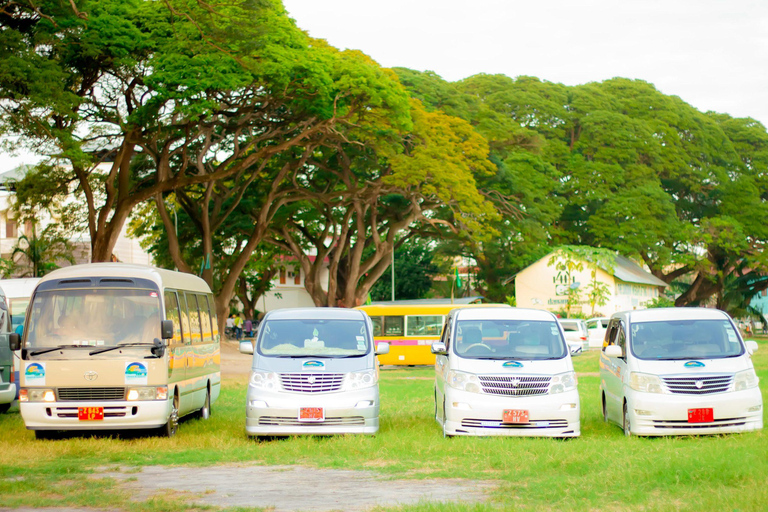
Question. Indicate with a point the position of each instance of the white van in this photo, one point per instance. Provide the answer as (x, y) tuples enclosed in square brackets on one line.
[(314, 372), (505, 371), (673, 371)]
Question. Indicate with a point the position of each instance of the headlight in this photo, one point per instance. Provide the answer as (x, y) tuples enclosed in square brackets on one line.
[(745, 380), (360, 380), (265, 380), (463, 381), (37, 395), (645, 382), (155, 393), (562, 383)]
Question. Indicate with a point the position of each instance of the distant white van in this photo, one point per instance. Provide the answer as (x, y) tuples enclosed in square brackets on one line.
[(674, 371), (505, 371), (314, 372)]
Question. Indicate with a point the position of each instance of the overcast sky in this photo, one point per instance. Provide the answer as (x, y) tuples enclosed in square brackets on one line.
[(711, 53)]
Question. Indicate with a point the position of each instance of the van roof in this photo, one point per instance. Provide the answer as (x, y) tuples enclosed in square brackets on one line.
[(480, 313), (163, 277), (315, 314), (662, 314)]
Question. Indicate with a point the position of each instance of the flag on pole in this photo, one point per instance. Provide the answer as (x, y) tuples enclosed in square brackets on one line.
[(458, 278)]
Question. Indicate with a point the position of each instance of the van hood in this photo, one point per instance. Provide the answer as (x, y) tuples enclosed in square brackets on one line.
[(514, 366), (312, 364), (694, 366)]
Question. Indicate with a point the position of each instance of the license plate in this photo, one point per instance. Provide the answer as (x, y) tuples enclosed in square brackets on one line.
[(515, 416), (311, 414), (700, 416), (90, 413)]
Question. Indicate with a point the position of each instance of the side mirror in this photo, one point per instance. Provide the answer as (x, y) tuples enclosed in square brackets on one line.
[(166, 329), (439, 348), (14, 341), (246, 347), (752, 346), (575, 349), (382, 348), (613, 351)]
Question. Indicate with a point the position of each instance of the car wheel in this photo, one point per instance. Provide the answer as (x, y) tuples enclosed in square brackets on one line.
[(605, 410), (627, 426), (170, 428), (4, 408), (445, 421), (205, 412)]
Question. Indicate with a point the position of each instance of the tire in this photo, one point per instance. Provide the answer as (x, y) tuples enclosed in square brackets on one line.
[(205, 412), (605, 410), (436, 418), (627, 426), (446, 435), (4, 408), (172, 426)]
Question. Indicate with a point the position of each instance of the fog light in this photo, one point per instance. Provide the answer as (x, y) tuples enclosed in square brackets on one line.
[(461, 405), (364, 403), (258, 403), (566, 407), (49, 396), (641, 412), (133, 395), (756, 408)]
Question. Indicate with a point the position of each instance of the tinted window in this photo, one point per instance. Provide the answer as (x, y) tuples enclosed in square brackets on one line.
[(205, 317), (393, 325), (685, 339), (172, 313), (194, 318), (509, 339), (313, 337), (424, 325)]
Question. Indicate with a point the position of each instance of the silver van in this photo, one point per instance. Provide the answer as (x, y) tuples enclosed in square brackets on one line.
[(314, 372)]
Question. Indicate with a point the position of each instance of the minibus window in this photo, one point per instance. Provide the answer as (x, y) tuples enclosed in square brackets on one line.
[(184, 319), (509, 339), (393, 325), (205, 317), (172, 313), (424, 325), (319, 338), (685, 339), (214, 318), (376, 320), (194, 318)]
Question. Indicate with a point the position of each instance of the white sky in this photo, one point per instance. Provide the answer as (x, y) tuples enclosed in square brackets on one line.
[(711, 53)]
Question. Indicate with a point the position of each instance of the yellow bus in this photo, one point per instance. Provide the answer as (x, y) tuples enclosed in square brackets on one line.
[(410, 329)]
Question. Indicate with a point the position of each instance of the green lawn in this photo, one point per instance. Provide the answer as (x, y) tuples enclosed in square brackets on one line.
[(601, 470)]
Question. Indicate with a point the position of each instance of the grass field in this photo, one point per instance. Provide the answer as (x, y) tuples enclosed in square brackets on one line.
[(601, 470)]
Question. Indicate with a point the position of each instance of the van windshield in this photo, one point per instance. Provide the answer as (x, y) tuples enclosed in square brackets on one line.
[(93, 317), (685, 339), (509, 339), (313, 338)]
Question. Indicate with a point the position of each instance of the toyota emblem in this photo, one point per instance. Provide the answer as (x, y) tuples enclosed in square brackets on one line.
[(699, 384), (515, 383), (311, 379), (91, 375)]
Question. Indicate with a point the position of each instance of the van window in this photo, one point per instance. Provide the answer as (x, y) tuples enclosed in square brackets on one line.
[(424, 325), (509, 339), (685, 339), (393, 325), (184, 319), (194, 318), (313, 338), (172, 313), (205, 318)]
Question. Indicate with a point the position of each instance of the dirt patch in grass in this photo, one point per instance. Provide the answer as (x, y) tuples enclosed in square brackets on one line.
[(293, 488)]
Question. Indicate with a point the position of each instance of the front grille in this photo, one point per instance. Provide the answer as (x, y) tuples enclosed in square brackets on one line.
[(282, 421), (109, 412), (514, 386), (90, 394), (311, 382), (532, 424), (698, 385), (727, 422)]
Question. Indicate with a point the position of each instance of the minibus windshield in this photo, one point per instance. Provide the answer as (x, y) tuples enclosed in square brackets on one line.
[(684, 339), (93, 317), (509, 339), (313, 338)]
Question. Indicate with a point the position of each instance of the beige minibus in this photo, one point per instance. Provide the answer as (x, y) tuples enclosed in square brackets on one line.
[(111, 346)]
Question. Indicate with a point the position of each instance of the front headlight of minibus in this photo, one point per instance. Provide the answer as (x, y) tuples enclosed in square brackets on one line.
[(463, 381), (745, 380), (360, 380), (264, 380), (645, 382), (563, 382), (37, 395), (147, 393)]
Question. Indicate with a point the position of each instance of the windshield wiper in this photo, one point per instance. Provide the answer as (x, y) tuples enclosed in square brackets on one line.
[(46, 350), (157, 344)]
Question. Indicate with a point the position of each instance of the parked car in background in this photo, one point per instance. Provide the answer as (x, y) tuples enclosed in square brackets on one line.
[(575, 334), (7, 378), (596, 328), (673, 371)]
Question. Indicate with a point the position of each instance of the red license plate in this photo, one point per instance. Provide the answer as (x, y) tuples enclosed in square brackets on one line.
[(311, 414), (90, 413), (515, 416), (700, 416)]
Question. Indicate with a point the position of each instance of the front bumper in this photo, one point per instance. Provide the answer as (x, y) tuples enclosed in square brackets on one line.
[(7, 392), (653, 414), (118, 415), (479, 414), (270, 413)]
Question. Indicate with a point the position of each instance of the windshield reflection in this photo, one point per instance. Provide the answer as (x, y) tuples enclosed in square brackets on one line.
[(321, 338), (685, 339), (509, 339)]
